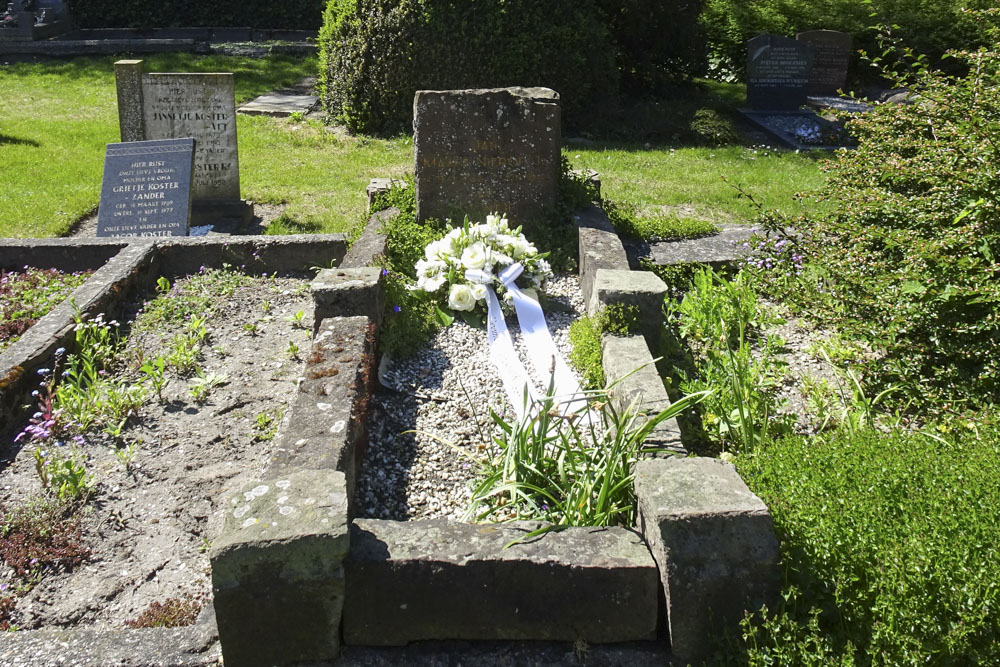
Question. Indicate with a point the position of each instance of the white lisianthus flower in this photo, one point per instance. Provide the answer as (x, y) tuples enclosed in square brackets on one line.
[(432, 283), (478, 291), (474, 257), (460, 298)]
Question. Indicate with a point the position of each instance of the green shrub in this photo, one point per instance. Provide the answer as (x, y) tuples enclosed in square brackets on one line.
[(889, 549), (294, 14), (930, 26), (375, 54), (908, 259), (656, 43)]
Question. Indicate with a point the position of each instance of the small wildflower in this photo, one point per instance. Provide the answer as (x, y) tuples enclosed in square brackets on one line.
[(44, 371), (396, 309), (60, 351)]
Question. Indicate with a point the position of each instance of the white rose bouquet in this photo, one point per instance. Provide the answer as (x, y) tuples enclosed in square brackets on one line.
[(457, 268)]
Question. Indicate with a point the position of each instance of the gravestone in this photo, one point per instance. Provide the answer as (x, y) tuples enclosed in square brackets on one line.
[(833, 56), (778, 72), (24, 21), (488, 150), (146, 189), (202, 106)]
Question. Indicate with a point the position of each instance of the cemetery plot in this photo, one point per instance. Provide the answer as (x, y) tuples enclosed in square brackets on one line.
[(430, 430), (26, 296), (115, 479)]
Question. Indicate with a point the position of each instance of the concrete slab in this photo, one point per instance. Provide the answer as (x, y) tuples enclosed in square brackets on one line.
[(279, 105), (717, 250)]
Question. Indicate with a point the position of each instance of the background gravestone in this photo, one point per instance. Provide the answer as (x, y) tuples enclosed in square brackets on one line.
[(778, 71), (483, 151), (146, 189), (202, 106), (833, 56)]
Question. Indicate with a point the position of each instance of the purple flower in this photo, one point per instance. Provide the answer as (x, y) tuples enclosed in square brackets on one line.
[(44, 371), (60, 351), (33, 562), (396, 309)]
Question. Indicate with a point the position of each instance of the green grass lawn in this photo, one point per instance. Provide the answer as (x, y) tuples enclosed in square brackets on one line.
[(56, 117)]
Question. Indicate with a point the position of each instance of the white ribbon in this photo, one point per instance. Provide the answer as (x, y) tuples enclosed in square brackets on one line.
[(550, 368)]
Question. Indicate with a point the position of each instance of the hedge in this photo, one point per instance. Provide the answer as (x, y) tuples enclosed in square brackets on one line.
[(288, 14), (375, 54)]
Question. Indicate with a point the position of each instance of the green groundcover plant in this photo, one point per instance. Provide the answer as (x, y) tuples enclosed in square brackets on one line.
[(889, 548)]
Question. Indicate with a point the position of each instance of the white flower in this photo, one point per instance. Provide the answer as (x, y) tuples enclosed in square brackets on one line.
[(478, 291), (460, 298), (474, 257), (431, 284)]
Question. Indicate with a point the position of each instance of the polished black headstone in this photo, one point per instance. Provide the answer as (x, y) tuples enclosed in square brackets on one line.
[(146, 189), (778, 71)]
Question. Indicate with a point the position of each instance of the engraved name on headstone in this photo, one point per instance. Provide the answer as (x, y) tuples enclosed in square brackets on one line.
[(146, 189), (202, 106), (778, 72), (490, 150), (833, 56)]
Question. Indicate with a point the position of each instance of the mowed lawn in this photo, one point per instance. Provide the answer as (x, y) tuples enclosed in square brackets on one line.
[(56, 117)]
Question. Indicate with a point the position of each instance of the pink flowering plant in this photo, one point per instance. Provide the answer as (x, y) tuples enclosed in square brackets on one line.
[(456, 270)]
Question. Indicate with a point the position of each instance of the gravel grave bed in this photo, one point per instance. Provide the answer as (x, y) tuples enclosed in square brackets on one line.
[(443, 393), (148, 526)]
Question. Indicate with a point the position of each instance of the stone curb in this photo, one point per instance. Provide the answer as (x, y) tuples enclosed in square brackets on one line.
[(599, 247), (629, 366), (715, 546), (440, 579)]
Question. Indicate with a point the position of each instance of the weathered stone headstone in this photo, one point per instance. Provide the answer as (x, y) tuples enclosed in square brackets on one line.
[(778, 72), (833, 56), (482, 151), (146, 190), (202, 106)]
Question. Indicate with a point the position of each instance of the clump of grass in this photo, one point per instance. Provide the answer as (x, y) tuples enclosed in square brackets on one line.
[(585, 337), (629, 221), (574, 470), (193, 297), (171, 613)]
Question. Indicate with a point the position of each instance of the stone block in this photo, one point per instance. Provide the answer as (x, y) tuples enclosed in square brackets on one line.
[(642, 289), (714, 543), (348, 292), (600, 248), (370, 246), (377, 186), (718, 250), (277, 570), (327, 426), (488, 150), (439, 579), (629, 367), (128, 80)]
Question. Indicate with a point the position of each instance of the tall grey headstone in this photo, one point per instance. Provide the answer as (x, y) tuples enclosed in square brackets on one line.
[(833, 56), (778, 71), (489, 150), (146, 189), (202, 106)]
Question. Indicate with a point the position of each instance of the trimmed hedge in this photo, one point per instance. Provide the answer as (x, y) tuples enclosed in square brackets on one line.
[(288, 14), (375, 54)]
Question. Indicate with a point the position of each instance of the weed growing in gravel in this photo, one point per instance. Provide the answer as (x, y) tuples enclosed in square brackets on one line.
[(171, 613), (154, 370), (192, 298), (39, 536), (299, 320), (64, 474), (292, 350), (265, 426), (202, 385), (574, 470)]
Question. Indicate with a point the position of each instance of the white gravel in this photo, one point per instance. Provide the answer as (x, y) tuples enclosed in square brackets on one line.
[(439, 404)]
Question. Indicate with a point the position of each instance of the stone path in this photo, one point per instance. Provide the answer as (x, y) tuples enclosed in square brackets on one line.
[(284, 102)]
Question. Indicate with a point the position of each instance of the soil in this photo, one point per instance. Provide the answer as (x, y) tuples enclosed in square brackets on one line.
[(149, 526)]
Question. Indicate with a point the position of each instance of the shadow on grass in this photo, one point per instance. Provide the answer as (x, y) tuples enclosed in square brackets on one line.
[(17, 141)]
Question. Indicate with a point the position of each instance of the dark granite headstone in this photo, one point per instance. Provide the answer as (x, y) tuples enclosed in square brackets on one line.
[(482, 151), (778, 72), (146, 190), (833, 56)]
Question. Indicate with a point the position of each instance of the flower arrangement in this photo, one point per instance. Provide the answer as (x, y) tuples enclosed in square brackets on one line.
[(459, 267)]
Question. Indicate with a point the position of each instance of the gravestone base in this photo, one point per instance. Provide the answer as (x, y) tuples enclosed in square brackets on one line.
[(210, 211), (781, 124)]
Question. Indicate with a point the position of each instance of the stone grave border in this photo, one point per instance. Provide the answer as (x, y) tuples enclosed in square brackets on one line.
[(757, 118), (293, 566), (293, 573), (107, 41)]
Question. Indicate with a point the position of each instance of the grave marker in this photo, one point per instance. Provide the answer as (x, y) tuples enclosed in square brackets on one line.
[(833, 56), (778, 72), (202, 106), (146, 189), (488, 150)]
